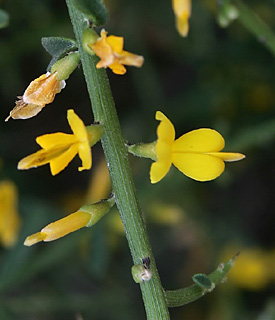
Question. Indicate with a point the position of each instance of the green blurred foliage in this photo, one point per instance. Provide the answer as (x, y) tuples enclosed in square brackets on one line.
[(217, 78)]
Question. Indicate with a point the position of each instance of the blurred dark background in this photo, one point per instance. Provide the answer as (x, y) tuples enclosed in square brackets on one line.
[(221, 78)]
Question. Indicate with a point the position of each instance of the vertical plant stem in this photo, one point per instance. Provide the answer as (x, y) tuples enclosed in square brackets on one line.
[(256, 25), (122, 182)]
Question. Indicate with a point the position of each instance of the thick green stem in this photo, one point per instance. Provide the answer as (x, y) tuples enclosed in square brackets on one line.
[(122, 182), (255, 25)]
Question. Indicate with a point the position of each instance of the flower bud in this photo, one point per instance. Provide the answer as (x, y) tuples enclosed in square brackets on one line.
[(86, 216)]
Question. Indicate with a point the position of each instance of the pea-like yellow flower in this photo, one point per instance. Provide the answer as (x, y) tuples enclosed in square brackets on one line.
[(110, 51), (196, 153), (182, 10), (86, 216), (9, 217), (58, 149), (40, 92)]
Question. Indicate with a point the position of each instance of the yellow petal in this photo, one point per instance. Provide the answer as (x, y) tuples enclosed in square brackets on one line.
[(37, 159), (116, 43), (131, 59), (201, 140), (64, 226), (85, 154), (117, 68), (201, 167), (77, 126), (228, 156), (56, 140), (34, 238), (182, 10), (159, 170), (181, 6), (61, 161), (182, 25), (9, 216), (103, 50), (165, 130)]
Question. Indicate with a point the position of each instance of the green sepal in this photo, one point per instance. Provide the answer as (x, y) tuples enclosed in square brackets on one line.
[(144, 150), (180, 297), (57, 47), (98, 210), (65, 66), (89, 37), (4, 19), (96, 131), (94, 10)]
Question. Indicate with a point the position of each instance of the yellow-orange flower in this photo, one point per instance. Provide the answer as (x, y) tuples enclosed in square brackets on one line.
[(9, 217), (182, 10), (196, 153), (110, 51), (40, 92), (58, 149)]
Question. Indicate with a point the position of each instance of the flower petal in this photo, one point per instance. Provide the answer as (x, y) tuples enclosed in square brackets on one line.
[(85, 154), (116, 43), (228, 156), (60, 162), (42, 90), (56, 140), (131, 59), (158, 170), (37, 159), (77, 126), (201, 167), (165, 130), (64, 226), (200, 140), (24, 110), (117, 68)]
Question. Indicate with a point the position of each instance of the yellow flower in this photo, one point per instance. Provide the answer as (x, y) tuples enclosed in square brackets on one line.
[(110, 51), (9, 217), (182, 10), (58, 149), (196, 153), (60, 228), (40, 92), (86, 216)]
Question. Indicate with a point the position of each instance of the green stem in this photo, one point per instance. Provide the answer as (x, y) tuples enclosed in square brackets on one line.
[(255, 25), (122, 182)]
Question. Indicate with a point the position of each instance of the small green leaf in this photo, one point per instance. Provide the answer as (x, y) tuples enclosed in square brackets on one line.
[(57, 47), (4, 19), (94, 10), (203, 281)]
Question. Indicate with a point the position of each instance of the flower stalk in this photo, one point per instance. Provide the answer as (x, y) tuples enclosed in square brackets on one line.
[(116, 154)]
